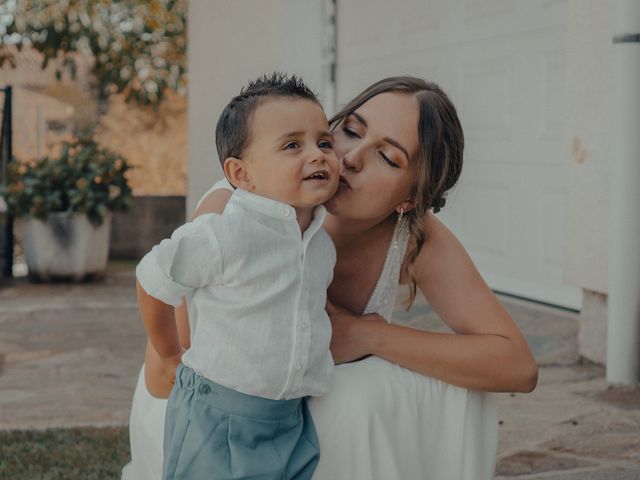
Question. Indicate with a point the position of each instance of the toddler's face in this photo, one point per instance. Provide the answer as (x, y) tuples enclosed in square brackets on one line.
[(290, 156)]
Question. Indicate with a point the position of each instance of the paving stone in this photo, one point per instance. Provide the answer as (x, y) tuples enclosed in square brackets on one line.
[(70, 355), (604, 434), (626, 398), (613, 445), (571, 373), (595, 474), (528, 462)]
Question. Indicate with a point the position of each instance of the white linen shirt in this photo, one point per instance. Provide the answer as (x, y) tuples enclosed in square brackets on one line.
[(257, 289)]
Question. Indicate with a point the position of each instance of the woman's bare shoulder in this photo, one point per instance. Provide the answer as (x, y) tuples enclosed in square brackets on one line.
[(438, 237), (436, 229), (441, 251), (213, 202), (452, 285)]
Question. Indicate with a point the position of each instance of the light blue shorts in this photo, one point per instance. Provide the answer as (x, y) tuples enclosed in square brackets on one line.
[(213, 432)]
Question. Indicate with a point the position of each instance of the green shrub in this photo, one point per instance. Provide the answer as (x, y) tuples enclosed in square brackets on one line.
[(83, 178)]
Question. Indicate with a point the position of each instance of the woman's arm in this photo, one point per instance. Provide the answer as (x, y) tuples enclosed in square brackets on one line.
[(157, 383), (487, 351)]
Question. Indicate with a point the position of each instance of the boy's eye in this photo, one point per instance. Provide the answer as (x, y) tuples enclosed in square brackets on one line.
[(325, 144), (291, 146)]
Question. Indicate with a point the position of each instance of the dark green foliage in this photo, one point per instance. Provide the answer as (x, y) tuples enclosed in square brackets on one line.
[(83, 178), (64, 454)]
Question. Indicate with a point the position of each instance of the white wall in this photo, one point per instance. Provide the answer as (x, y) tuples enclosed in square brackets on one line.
[(503, 64), (232, 41), (589, 133)]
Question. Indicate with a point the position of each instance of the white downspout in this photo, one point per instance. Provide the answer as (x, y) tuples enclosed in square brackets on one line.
[(623, 339)]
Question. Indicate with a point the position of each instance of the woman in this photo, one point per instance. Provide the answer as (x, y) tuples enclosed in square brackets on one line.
[(404, 404)]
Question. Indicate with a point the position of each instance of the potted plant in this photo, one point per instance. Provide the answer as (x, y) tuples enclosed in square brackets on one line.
[(64, 203)]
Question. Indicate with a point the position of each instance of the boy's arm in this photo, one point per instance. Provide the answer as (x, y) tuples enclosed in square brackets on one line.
[(182, 323), (190, 259), (159, 322)]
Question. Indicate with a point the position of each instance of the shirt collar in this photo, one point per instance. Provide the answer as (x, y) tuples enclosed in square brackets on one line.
[(319, 212), (275, 208)]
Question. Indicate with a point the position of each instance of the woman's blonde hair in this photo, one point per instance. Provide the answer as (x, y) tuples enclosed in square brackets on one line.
[(440, 153)]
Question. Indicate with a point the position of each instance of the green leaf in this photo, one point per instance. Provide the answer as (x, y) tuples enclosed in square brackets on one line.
[(68, 182), (158, 38)]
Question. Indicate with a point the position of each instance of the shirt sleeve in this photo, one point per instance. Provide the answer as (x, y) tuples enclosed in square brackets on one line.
[(190, 259)]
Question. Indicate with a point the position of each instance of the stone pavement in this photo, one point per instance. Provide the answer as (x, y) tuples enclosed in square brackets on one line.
[(70, 354)]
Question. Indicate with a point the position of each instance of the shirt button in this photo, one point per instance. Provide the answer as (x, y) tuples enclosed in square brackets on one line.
[(286, 212), (204, 389), (299, 367)]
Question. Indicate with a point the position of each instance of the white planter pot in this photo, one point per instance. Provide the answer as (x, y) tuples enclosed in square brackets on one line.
[(65, 247)]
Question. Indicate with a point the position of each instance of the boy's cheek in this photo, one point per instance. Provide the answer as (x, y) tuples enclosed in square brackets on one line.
[(333, 161)]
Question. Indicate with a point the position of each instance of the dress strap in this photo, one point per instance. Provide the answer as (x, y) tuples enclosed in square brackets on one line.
[(384, 295)]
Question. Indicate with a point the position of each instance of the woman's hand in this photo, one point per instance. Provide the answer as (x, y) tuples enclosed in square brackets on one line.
[(349, 340)]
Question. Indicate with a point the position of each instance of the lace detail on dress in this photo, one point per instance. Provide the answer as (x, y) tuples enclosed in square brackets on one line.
[(383, 298)]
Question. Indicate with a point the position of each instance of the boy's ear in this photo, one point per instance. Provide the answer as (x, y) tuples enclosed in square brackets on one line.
[(238, 174)]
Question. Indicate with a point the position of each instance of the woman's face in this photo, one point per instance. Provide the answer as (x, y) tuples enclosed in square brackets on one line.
[(375, 146)]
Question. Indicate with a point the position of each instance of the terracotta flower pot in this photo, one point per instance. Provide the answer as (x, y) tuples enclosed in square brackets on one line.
[(65, 247)]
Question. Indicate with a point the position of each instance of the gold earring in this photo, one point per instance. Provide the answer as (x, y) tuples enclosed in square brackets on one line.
[(395, 234)]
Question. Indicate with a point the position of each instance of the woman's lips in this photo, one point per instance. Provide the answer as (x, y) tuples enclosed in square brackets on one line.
[(344, 183)]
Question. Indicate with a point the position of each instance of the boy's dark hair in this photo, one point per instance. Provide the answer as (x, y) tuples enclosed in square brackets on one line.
[(232, 130)]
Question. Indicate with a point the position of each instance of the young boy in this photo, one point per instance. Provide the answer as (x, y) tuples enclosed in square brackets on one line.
[(257, 277)]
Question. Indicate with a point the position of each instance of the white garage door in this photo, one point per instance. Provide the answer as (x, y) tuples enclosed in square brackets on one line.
[(503, 64)]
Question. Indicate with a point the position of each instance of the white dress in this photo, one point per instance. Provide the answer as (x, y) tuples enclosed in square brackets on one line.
[(381, 421), (378, 421)]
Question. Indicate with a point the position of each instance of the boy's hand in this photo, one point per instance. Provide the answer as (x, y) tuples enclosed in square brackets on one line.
[(170, 364)]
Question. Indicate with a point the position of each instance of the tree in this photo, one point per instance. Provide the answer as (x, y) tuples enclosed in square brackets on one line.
[(138, 46)]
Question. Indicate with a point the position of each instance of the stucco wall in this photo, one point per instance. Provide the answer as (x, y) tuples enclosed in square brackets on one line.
[(589, 133), (231, 43)]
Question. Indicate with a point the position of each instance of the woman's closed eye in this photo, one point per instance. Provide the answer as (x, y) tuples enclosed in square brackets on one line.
[(350, 133), (388, 160)]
